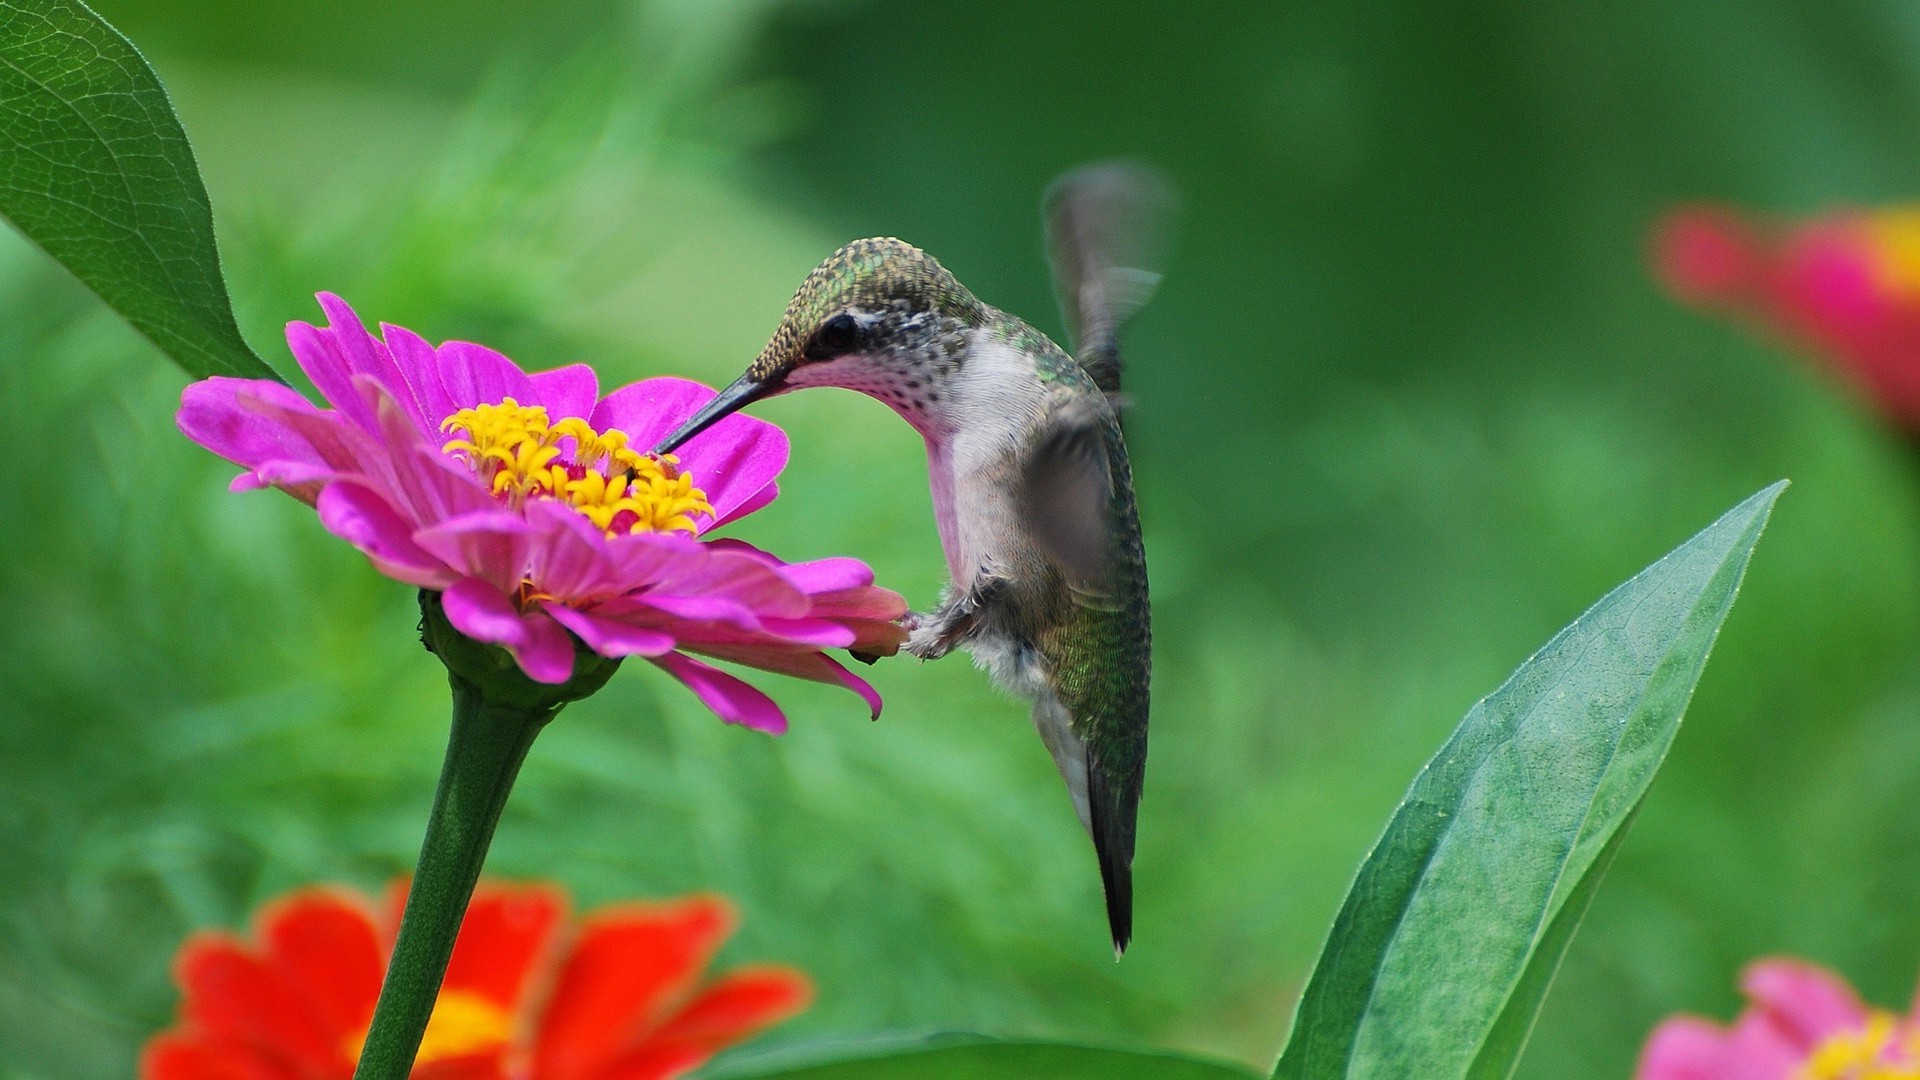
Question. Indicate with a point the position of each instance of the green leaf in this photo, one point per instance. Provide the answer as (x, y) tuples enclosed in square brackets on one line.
[(971, 1057), (1452, 931), (94, 168)]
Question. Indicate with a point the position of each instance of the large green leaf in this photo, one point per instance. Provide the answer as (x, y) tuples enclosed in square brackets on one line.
[(95, 168), (1443, 950), (967, 1057)]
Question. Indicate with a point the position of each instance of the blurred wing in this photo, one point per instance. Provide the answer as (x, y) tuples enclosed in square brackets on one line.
[(1107, 230), (1066, 495)]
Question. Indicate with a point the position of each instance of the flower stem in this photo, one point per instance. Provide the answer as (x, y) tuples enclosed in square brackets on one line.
[(484, 751)]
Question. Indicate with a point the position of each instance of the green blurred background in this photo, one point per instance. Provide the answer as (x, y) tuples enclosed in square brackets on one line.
[(1406, 403)]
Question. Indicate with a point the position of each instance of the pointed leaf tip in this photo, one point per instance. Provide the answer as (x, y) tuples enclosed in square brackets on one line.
[(96, 170), (1457, 920)]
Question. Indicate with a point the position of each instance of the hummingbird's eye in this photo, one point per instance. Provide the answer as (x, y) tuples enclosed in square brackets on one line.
[(836, 337)]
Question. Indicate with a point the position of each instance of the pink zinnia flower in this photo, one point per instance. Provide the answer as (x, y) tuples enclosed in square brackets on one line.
[(1804, 1023), (1845, 286), (528, 502)]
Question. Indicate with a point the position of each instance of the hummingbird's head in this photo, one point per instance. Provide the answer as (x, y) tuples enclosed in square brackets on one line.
[(879, 316)]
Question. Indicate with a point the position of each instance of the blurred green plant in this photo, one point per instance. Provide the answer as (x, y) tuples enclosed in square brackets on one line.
[(95, 168)]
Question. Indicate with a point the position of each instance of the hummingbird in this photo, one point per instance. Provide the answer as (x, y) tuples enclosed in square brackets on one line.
[(1032, 489)]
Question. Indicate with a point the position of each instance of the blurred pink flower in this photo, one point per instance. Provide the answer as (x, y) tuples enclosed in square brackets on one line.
[(1804, 1023), (523, 500), (1845, 286)]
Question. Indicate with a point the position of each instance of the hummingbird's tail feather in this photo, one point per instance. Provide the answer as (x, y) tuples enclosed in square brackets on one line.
[(1107, 233), (1107, 802), (1114, 801)]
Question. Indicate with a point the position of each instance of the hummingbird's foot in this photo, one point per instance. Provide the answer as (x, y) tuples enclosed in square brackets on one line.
[(935, 634)]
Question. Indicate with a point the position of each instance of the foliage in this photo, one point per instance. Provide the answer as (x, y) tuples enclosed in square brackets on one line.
[(95, 169), (1447, 942)]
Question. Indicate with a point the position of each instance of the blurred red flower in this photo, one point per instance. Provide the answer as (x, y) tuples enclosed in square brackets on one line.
[(527, 996), (1804, 1023), (1844, 286)]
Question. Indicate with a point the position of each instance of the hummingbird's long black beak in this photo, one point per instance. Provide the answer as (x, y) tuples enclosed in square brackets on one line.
[(743, 391)]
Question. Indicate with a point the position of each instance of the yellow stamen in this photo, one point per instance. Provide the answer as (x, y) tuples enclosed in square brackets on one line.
[(1896, 245), (462, 1023), (1868, 1053), (521, 456)]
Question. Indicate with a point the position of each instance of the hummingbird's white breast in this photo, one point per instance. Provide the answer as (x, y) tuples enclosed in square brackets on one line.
[(987, 415)]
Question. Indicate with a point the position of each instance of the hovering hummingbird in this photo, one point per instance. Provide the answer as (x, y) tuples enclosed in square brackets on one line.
[(1032, 491)]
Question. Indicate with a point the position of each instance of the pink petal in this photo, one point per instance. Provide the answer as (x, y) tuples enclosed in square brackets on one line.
[(611, 637), (828, 575), (733, 461), (739, 579), (1706, 255), (212, 415), (566, 391), (1758, 1049), (1685, 1048), (421, 369), (740, 509), (358, 515), (301, 480), (730, 699), (476, 375), (268, 428), (1808, 1003), (569, 559), (490, 545), (812, 666), (428, 486), (540, 645), (320, 357), (819, 633), (872, 603), (367, 355)]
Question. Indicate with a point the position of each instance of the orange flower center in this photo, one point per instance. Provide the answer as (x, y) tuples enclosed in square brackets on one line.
[(462, 1023), (1895, 239), (522, 456), (1878, 1051)]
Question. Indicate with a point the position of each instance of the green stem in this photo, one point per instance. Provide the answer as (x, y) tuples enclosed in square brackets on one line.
[(488, 742)]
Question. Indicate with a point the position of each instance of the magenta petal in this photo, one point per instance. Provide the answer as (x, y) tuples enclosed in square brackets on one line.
[(358, 515), (491, 545), (813, 666), (319, 356), (828, 575), (569, 559), (703, 609), (421, 369), (367, 355), (1685, 1048), (213, 415), (540, 645), (734, 461), (1807, 1002), (428, 485), (738, 578), (819, 633), (1757, 1049), (567, 391), (476, 375), (611, 637), (729, 698)]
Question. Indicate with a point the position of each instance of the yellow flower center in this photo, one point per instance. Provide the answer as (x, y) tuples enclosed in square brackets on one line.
[(523, 456), (462, 1023), (1874, 1052), (1896, 247)]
